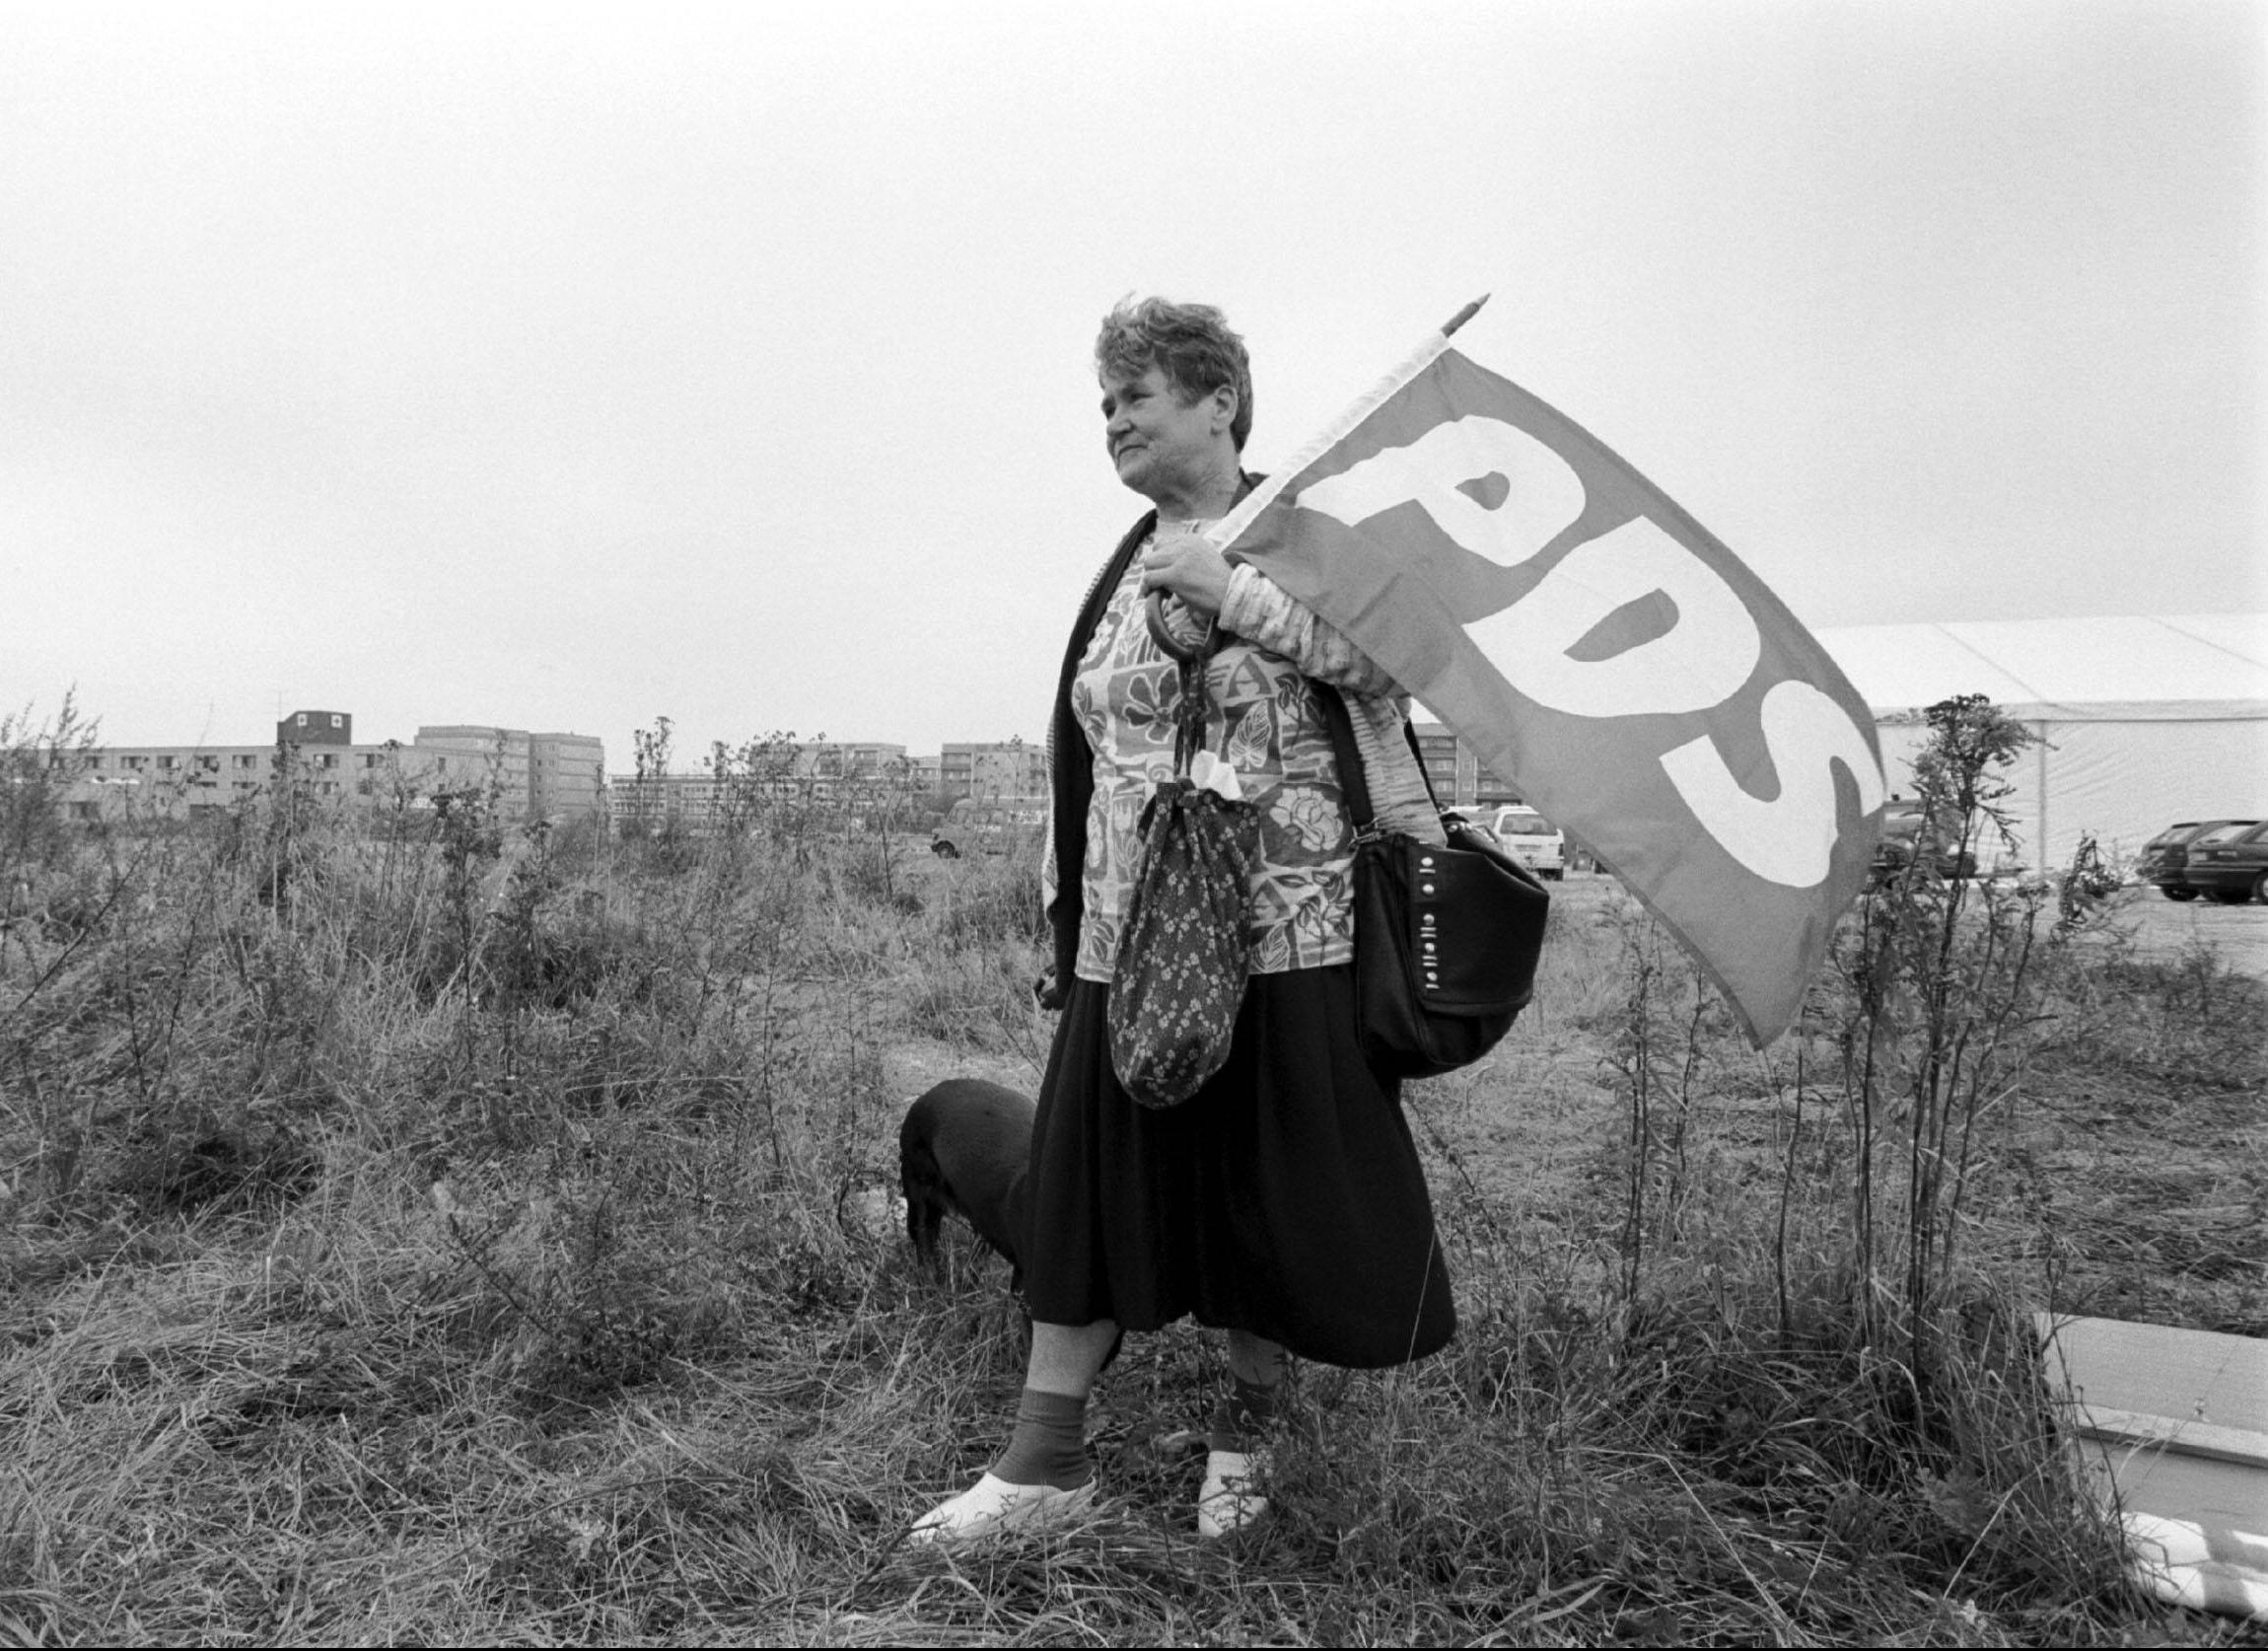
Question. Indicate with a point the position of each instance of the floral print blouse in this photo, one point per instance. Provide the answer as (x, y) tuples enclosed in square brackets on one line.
[(1262, 719)]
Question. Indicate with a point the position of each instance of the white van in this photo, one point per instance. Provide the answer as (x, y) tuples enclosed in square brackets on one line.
[(1534, 841)]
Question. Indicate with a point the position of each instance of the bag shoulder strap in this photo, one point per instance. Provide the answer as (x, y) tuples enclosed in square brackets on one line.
[(1410, 738), (1417, 756), (1353, 782)]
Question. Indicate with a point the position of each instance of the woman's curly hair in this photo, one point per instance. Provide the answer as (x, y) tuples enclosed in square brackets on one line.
[(1190, 342)]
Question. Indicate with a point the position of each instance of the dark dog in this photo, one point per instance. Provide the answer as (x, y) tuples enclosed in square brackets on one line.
[(963, 1147)]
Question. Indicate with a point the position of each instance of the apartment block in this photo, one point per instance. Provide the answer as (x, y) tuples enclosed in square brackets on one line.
[(1461, 779), (869, 760), (542, 775), (695, 803), (987, 769), (190, 783), (538, 776), (853, 775), (1012, 768)]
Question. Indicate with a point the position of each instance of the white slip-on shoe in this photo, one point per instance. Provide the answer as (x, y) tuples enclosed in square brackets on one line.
[(992, 1507), (1230, 1498)]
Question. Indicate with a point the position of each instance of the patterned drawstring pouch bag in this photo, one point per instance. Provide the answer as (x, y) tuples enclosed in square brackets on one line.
[(1186, 947)]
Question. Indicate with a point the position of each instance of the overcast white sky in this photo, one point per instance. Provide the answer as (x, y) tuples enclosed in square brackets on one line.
[(563, 370)]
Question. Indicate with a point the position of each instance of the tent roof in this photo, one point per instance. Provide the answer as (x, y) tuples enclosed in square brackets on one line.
[(2208, 666)]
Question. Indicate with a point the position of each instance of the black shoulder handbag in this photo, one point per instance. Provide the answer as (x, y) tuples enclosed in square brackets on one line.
[(1445, 939)]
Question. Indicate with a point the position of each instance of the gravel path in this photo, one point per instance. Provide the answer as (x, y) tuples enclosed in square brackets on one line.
[(2163, 928)]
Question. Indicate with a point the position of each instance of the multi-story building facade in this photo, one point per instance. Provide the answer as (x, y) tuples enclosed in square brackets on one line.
[(562, 776), (538, 776), (869, 761), (566, 775), (695, 803), (188, 783), (988, 770), (499, 755), (1461, 779), (855, 775), (1492, 790), (1012, 768), (175, 782)]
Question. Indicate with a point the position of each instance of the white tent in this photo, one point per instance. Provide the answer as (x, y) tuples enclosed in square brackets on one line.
[(2140, 721)]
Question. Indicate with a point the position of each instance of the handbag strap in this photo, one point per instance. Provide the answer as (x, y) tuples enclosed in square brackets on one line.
[(1354, 783)]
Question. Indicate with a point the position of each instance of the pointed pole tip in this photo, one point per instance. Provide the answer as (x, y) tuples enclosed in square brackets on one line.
[(1465, 315)]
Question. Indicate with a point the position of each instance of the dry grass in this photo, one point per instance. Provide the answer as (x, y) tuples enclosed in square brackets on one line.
[(494, 1260)]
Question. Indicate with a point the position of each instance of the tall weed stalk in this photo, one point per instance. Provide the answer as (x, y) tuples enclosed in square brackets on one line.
[(1947, 974)]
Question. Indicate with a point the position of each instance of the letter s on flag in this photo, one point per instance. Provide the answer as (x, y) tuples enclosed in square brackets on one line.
[(1791, 839)]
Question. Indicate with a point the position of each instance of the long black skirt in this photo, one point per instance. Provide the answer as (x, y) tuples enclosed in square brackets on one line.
[(1284, 1199)]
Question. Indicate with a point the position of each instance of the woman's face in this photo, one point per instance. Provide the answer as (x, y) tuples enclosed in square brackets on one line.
[(1158, 444)]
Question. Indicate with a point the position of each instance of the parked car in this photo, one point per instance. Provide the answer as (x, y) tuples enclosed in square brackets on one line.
[(2172, 873), (1534, 841), (2161, 854), (993, 826), (2230, 863), (1905, 832)]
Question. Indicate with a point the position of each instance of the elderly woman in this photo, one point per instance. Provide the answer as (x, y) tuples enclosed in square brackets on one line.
[(1283, 1202)]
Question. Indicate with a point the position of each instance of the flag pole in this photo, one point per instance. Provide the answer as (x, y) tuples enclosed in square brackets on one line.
[(1224, 533), (1465, 315)]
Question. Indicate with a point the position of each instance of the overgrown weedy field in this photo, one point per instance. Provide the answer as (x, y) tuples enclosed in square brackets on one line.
[(416, 1230)]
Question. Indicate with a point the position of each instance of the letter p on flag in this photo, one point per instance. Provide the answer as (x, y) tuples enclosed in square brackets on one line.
[(1597, 646)]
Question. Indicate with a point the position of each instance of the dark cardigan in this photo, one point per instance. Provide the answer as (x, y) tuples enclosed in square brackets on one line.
[(1071, 782)]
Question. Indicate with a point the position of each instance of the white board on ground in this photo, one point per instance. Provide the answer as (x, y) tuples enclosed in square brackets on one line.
[(2174, 1427)]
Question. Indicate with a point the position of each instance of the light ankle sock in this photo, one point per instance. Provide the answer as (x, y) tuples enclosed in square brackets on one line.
[(1241, 1420), (1049, 1444)]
